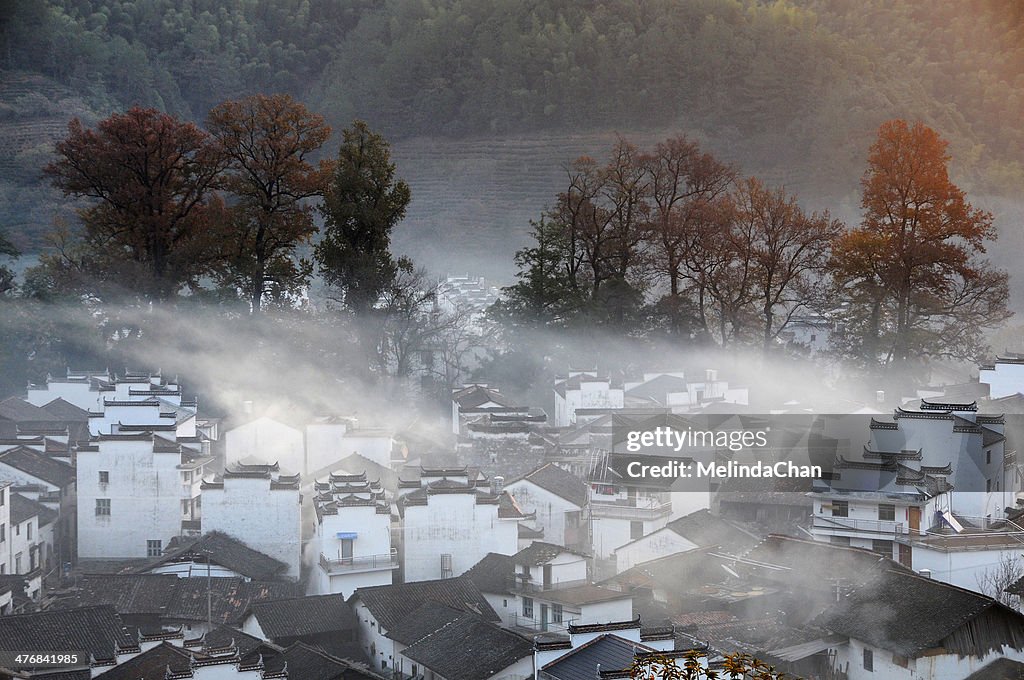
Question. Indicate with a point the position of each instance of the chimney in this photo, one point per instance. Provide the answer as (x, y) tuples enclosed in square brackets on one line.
[(711, 375), (247, 407), (880, 396), (927, 573), (497, 485)]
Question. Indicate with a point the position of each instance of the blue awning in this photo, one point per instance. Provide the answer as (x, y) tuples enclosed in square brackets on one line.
[(350, 535)]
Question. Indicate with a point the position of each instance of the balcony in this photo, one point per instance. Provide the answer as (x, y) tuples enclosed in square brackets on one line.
[(848, 525), (351, 565), (634, 511)]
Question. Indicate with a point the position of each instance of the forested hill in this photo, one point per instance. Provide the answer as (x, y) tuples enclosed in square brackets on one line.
[(792, 89)]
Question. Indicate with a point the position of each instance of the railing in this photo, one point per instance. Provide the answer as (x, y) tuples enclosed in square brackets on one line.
[(878, 526), (362, 563), (538, 626), (632, 512)]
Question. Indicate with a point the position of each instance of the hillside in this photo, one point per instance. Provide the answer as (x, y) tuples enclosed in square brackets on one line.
[(486, 100)]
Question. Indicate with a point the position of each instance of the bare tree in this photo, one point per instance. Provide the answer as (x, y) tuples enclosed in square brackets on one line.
[(1005, 573)]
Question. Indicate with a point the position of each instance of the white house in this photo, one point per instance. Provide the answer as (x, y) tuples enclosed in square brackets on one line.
[(1004, 377), (558, 498), (699, 529), (262, 439), (903, 625), (5, 523), (274, 528), (619, 514), (585, 390), (392, 617), (353, 535), (942, 469), (136, 492), (449, 523)]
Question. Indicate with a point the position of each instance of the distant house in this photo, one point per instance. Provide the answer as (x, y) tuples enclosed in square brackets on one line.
[(387, 624), (699, 529), (475, 401), (43, 479), (585, 390), (558, 498)]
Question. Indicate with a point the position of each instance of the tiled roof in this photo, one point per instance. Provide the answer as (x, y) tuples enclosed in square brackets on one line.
[(808, 563), (19, 410), (392, 604), (97, 630), (38, 465), (24, 508), (62, 409), (309, 663), (223, 636), (152, 664), (1000, 669), (427, 618), (128, 594), (706, 530), (539, 552), (469, 648), (560, 482), (300, 616), (231, 598), (228, 552), (906, 613), (476, 396), (493, 574), (610, 652)]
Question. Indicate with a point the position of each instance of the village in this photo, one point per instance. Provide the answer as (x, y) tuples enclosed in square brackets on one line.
[(157, 541)]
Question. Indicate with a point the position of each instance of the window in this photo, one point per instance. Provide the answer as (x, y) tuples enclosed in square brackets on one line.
[(17, 563), (3, 496), (988, 457), (636, 530), (840, 509), (528, 607), (104, 477), (869, 660), (346, 548), (887, 513), (28, 531), (103, 507), (17, 530), (154, 548), (882, 547), (556, 613), (3, 534), (414, 669), (185, 505), (988, 485)]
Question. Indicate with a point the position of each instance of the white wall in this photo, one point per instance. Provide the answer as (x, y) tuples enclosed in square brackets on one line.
[(265, 519), (660, 543), (145, 492), (550, 508), (1004, 379), (453, 524), (266, 439), (373, 538), (850, 657)]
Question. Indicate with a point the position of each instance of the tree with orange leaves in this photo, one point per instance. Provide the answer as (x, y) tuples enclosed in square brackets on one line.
[(267, 142), (149, 178), (913, 271)]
